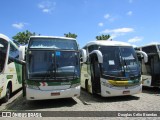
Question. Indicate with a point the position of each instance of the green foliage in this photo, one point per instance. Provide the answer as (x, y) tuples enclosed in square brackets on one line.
[(70, 35), (23, 37), (103, 37)]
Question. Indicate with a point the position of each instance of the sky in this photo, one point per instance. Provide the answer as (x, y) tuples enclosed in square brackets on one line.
[(133, 21)]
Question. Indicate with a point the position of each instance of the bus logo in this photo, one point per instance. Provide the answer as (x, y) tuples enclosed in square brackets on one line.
[(6, 114)]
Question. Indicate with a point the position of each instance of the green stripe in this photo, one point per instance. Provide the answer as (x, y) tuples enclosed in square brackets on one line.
[(37, 83), (9, 76), (31, 82), (133, 81), (19, 72)]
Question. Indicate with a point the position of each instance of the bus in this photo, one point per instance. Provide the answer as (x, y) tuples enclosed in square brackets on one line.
[(10, 68), (151, 69), (110, 68), (52, 68)]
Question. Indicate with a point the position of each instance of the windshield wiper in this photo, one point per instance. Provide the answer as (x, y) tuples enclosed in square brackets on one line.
[(49, 72), (127, 66), (121, 63)]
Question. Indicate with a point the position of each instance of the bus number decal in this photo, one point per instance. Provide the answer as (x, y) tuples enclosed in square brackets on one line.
[(58, 53)]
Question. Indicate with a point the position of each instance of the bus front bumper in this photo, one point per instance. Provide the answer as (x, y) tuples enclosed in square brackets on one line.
[(120, 91), (33, 94)]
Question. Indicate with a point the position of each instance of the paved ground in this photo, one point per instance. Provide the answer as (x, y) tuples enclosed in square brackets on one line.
[(149, 100)]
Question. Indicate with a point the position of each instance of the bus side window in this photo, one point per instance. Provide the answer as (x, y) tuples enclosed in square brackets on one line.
[(13, 52), (10, 59), (3, 53), (92, 47), (150, 49)]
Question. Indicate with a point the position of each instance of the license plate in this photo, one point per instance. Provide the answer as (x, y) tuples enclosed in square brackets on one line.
[(55, 94), (126, 92)]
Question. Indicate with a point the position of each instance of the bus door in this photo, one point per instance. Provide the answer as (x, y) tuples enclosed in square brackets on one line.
[(95, 73), (24, 79), (155, 70)]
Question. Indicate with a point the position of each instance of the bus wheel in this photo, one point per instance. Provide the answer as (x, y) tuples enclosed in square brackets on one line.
[(8, 94)]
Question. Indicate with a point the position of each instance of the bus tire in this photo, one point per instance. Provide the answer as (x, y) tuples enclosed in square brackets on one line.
[(8, 94), (86, 85)]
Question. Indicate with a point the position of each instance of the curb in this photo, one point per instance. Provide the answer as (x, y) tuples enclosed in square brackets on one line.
[(11, 101)]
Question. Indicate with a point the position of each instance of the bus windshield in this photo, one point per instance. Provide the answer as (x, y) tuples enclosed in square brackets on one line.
[(3, 52), (54, 43), (53, 65), (118, 60), (130, 60)]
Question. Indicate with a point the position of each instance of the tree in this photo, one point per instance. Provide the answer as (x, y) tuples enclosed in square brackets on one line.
[(70, 35), (103, 37), (23, 37)]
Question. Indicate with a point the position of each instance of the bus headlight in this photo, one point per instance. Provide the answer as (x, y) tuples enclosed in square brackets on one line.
[(75, 85), (33, 87), (106, 84)]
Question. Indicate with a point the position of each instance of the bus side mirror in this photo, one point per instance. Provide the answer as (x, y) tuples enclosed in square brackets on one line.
[(99, 55), (83, 55), (21, 53), (145, 56)]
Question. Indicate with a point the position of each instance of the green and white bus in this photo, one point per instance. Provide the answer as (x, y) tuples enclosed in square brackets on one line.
[(10, 68), (110, 68), (52, 68), (151, 69)]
